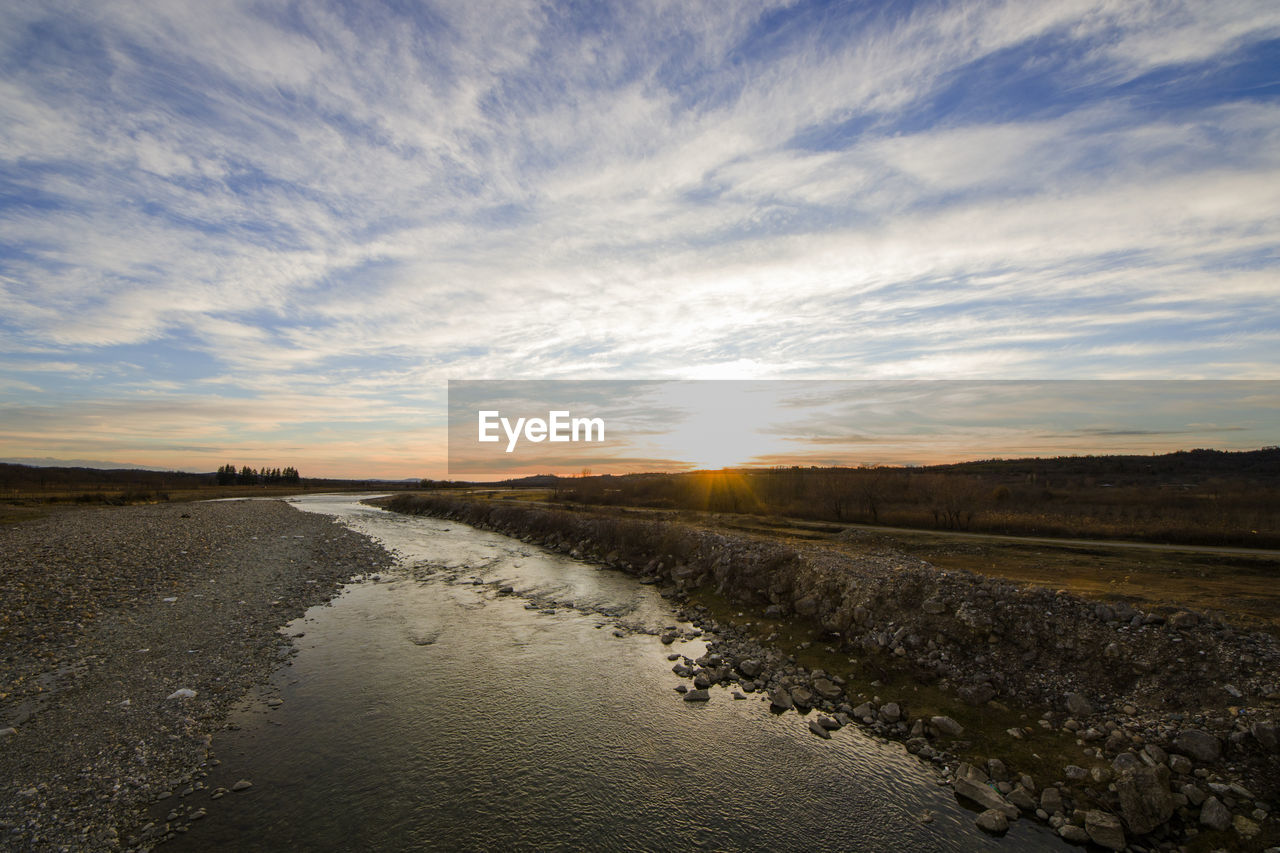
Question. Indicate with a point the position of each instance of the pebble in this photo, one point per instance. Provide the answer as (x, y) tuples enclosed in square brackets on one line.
[(242, 785)]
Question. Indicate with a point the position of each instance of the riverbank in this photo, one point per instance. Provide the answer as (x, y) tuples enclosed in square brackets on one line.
[(1127, 728), (127, 634)]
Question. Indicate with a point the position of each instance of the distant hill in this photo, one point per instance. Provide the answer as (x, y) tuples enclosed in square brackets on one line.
[(50, 462)]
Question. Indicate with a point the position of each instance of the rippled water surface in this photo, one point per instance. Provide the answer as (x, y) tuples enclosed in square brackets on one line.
[(426, 711)]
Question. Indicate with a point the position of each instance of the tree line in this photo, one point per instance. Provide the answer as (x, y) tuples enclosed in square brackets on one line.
[(229, 475)]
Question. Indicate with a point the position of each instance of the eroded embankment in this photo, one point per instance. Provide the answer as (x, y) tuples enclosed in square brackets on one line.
[(1173, 714)]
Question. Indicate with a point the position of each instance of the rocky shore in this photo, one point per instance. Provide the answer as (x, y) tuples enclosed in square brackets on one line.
[(1167, 717), (126, 634)]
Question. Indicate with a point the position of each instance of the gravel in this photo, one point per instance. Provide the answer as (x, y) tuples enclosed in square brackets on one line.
[(110, 619)]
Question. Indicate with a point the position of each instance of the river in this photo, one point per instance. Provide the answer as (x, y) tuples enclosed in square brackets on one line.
[(426, 711)]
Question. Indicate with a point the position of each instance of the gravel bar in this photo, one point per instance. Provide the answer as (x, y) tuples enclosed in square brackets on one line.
[(107, 613)]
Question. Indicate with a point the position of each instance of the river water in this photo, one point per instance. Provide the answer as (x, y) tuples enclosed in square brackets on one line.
[(424, 711)]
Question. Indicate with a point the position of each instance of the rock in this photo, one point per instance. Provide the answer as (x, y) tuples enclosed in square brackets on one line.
[(806, 606), (1145, 800), (1051, 800), (1022, 798), (1180, 764), (1075, 773), (773, 611), (829, 723), (1183, 619), (738, 694), (781, 700), (826, 689), (890, 712), (819, 730), (275, 702), (8, 731), (992, 821), (1078, 706), (1201, 746), (1104, 829), (1194, 794), (981, 795), (1214, 814), (697, 696), (182, 693), (946, 726), (1247, 828), (801, 697), (750, 668), (701, 681), (864, 711), (977, 694), (934, 606), (242, 785), (1267, 735), (1074, 834)]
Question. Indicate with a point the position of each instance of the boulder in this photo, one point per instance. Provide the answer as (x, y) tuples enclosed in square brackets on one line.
[(1201, 746), (1022, 798), (697, 696), (1104, 829), (1051, 800), (1215, 815), (1074, 834), (984, 797), (977, 694), (1267, 735), (890, 712), (992, 821), (819, 730), (826, 689), (1078, 705), (781, 700), (1145, 800), (946, 726), (802, 697), (750, 668), (806, 606)]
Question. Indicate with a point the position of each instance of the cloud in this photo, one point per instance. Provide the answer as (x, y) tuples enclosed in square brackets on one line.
[(315, 200)]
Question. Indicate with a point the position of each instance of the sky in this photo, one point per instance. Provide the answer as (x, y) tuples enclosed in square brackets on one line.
[(269, 233)]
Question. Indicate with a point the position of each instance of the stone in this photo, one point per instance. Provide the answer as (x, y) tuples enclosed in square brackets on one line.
[(1022, 798), (242, 785), (824, 688), (750, 668), (182, 693), (864, 711), (977, 694), (1214, 814), (1104, 829), (829, 723), (1247, 828), (1075, 773), (992, 821), (806, 606), (1267, 735), (275, 702), (1180, 764), (1074, 834), (1183, 619), (819, 730), (8, 731), (773, 611), (946, 726), (701, 681), (802, 697), (1199, 745), (890, 712), (1078, 706), (697, 696), (781, 700), (1194, 794), (934, 606), (1145, 801), (1051, 800), (984, 797)]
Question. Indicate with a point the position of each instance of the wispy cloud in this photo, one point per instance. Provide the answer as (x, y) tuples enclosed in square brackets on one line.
[(342, 206)]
